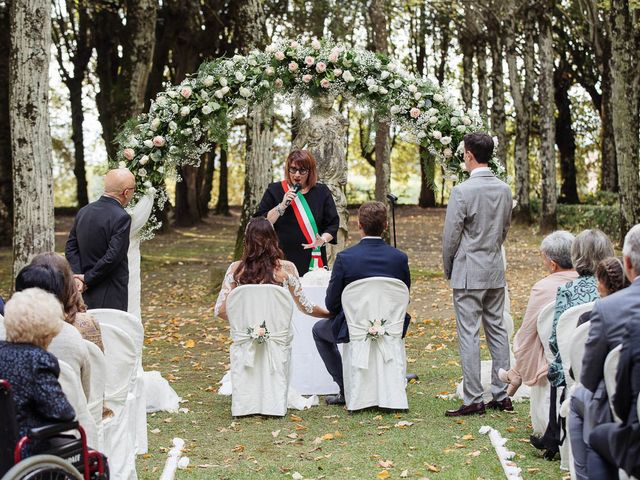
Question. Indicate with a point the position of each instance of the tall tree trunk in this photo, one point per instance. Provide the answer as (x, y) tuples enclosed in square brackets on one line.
[(77, 136), (380, 39), (206, 171), (609, 174), (30, 28), (251, 33), (624, 102), (565, 137), (222, 207), (547, 153), (521, 102), (466, 44), (6, 179), (123, 67), (498, 115), (483, 96)]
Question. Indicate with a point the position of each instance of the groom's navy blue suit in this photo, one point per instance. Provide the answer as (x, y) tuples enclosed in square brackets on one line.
[(372, 257)]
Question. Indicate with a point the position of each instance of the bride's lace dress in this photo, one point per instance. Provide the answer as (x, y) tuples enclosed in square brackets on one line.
[(288, 278)]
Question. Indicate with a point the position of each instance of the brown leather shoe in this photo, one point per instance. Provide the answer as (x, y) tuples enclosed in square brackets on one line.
[(471, 409), (503, 405)]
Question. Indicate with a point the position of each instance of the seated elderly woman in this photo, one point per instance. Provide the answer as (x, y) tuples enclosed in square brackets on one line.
[(530, 363), (75, 310), (588, 249), (263, 262), (68, 345), (32, 318)]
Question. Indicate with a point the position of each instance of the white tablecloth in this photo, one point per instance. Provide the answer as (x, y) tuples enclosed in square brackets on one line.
[(308, 373)]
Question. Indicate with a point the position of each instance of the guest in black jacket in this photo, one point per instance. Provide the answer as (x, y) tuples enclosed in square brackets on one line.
[(372, 257), (99, 241), (32, 318)]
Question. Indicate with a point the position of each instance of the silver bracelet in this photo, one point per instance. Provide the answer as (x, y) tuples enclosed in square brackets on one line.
[(280, 210)]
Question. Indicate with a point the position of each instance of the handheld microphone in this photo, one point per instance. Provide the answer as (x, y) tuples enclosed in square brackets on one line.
[(296, 188)]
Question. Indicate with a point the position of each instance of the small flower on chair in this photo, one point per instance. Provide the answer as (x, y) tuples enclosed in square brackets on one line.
[(376, 330), (259, 333)]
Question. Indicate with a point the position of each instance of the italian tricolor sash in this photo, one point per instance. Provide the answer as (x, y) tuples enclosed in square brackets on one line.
[(307, 224)]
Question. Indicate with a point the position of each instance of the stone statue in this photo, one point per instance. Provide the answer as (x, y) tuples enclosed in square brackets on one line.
[(324, 135)]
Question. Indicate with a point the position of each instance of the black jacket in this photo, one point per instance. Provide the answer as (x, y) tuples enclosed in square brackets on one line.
[(372, 257), (97, 247)]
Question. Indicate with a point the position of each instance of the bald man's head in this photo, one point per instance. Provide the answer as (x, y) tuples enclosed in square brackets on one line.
[(120, 184)]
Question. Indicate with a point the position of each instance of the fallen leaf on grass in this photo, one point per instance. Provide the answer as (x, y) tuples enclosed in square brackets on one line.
[(293, 435), (468, 436), (404, 474), (385, 463), (403, 424), (300, 427), (475, 453), (384, 474), (296, 476), (432, 468), (295, 418), (155, 430), (328, 436), (275, 433), (189, 344), (238, 448), (511, 429), (533, 470)]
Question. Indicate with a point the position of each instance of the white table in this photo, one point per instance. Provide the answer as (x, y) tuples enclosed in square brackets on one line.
[(308, 373)]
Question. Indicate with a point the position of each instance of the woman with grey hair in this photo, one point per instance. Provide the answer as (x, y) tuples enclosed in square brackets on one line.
[(530, 363), (32, 318), (587, 250)]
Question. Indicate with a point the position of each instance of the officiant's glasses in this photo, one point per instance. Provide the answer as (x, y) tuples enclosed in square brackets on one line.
[(301, 171)]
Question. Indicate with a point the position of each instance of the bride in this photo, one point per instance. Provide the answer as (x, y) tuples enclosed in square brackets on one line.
[(263, 262)]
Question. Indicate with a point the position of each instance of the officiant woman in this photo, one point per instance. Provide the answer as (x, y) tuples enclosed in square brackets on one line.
[(302, 212)]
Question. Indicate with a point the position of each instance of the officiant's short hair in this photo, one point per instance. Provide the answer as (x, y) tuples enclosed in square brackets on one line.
[(303, 159), (480, 144), (372, 217)]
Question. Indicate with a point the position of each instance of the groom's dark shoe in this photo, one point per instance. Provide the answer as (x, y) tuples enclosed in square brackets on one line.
[(502, 405), (335, 399), (471, 409)]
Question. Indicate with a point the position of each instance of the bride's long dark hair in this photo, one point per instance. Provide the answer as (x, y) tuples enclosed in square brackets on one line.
[(261, 254)]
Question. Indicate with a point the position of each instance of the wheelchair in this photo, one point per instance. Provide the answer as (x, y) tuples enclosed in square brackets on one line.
[(68, 458)]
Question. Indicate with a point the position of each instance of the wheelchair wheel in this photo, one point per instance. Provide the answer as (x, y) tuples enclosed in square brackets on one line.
[(43, 467)]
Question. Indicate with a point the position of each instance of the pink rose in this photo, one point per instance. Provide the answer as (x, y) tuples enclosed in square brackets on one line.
[(414, 112), (309, 60), (373, 331), (278, 83), (159, 141), (279, 56), (324, 83), (337, 72), (262, 332), (306, 78), (185, 92), (321, 67), (128, 153), (293, 66), (333, 57)]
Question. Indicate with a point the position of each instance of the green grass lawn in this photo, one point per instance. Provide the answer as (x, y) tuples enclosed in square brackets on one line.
[(181, 273)]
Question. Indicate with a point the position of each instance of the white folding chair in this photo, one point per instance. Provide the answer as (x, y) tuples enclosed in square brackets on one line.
[(610, 369), (134, 328), (119, 432), (544, 326), (375, 367), (72, 388), (539, 400), (564, 333), (260, 369), (98, 381), (576, 349)]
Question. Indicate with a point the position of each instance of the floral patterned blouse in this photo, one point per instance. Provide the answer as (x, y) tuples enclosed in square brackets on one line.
[(576, 292)]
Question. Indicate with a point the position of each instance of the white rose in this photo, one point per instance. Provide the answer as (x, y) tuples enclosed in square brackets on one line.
[(173, 149), (252, 61), (142, 173), (316, 44), (294, 44), (175, 108), (208, 81), (237, 58), (204, 95), (270, 48), (245, 92), (162, 101), (144, 159), (269, 71), (160, 169), (173, 126), (456, 113), (433, 120), (148, 143), (279, 56), (438, 98), (373, 88), (445, 140), (436, 134), (240, 76), (461, 128), (225, 90), (417, 95), (385, 74), (432, 111), (223, 82), (155, 123), (421, 134), (394, 110), (370, 81), (466, 121), (412, 88), (186, 132), (122, 165), (397, 83), (195, 122), (214, 106), (172, 93), (184, 111), (218, 94), (346, 75), (447, 153), (383, 91), (206, 110)]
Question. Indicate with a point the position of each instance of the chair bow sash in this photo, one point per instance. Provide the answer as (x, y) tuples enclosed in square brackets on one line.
[(249, 344), (361, 343)]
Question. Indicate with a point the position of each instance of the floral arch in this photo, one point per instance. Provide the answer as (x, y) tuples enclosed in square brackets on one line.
[(185, 119)]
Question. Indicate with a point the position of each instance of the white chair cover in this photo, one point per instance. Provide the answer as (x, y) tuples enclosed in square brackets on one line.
[(539, 406), (119, 431), (545, 324), (260, 371), (134, 328), (375, 369), (564, 331), (610, 369), (72, 388), (95, 402), (576, 349)]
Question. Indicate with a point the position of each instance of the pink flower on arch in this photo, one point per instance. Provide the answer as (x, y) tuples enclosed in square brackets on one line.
[(309, 60), (307, 78), (159, 141), (324, 83), (414, 112), (185, 92), (129, 153), (293, 66), (321, 67)]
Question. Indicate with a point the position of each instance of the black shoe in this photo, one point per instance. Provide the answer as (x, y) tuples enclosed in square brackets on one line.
[(471, 409), (335, 399), (503, 405), (412, 376), (537, 442)]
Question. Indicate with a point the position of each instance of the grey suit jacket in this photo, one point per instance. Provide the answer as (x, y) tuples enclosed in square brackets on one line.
[(609, 319), (477, 222)]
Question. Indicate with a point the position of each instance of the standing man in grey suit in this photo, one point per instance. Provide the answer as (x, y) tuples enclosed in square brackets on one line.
[(476, 225)]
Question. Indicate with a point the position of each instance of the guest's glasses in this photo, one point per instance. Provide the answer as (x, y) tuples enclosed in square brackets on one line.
[(301, 171)]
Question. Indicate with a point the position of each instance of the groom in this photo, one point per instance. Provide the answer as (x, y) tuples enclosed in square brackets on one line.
[(372, 257), (476, 225)]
